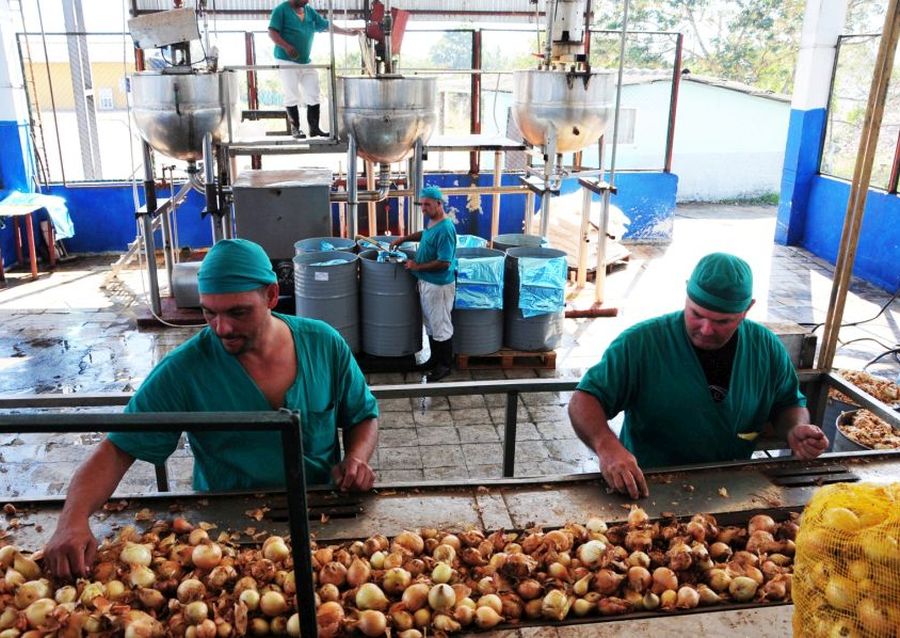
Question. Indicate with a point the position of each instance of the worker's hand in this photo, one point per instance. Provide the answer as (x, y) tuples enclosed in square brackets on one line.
[(410, 264), (393, 245), (291, 51), (807, 441), (71, 550), (621, 471), (353, 474)]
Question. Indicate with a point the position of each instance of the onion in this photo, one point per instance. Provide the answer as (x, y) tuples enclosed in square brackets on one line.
[(444, 553), (596, 525), (582, 607), (371, 623), (664, 579), (639, 540), (26, 566), (707, 595), (555, 605), (36, 613), (357, 548), (376, 543), (877, 545), (637, 517), (13, 579), (136, 554), (462, 614), (688, 598), (410, 633), (487, 617), (220, 576), (275, 549), (196, 612), (452, 540), (370, 596), (250, 598), (761, 522), (415, 596), (151, 598), (197, 536), (441, 597), (743, 588), (639, 559), (401, 618), (333, 573), (591, 552), (697, 530), (329, 593), (490, 600), (169, 569), (206, 556), (719, 580), (873, 617), (181, 526), (272, 603), (358, 572), (66, 594), (607, 582), (376, 560), (396, 580), (841, 519), (442, 573), (7, 555), (259, 627), (190, 590), (558, 570), (422, 617), (529, 589), (719, 551), (323, 555), (32, 591), (8, 616), (88, 594), (207, 629), (639, 578), (141, 576), (329, 619), (411, 542), (395, 559), (668, 599), (650, 601), (445, 623), (293, 625)]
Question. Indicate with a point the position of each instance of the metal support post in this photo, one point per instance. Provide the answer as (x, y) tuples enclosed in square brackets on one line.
[(549, 169), (529, 212), (495, 198), (352, 188), (372, 206), (415, 212), (509, 434), (146, 219), (584, 239)]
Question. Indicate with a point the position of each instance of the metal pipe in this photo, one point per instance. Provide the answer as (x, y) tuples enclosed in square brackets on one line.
[(147, 227), (600, 272), (549, 166), (332, 77), (548, 46), (209, 187), (509, 434), (475, 101), (529, 211), (371, 208), (673, 102), (495, 200), (387, 27), (584, 239), (415, 221), (518, 189), (352, 187)]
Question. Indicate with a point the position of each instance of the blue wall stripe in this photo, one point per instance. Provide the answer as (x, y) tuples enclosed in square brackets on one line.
[(801, 165)]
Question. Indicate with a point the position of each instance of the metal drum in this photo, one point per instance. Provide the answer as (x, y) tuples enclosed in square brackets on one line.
[(576, 105), (314, 244), (174, 111), (843, 443), (537, 334), (329, 293), (386, 115), (477, 331), (391, 314), (519, 240)]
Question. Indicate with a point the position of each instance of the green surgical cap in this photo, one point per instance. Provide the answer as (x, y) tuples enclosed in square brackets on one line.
[(235, 265), (721, 283), (432, 192)]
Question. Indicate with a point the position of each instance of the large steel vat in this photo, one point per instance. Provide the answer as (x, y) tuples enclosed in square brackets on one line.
[(174, 111), (577, 105), (386, 115)]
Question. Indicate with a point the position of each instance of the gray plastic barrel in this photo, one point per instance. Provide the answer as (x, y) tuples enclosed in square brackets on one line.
[(519, 240), (477, 332), (534, 334), (314, 244), (842, 443), (391, 314), (329, 293)]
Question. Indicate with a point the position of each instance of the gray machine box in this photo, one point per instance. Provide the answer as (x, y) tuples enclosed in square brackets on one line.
[(278, 208)]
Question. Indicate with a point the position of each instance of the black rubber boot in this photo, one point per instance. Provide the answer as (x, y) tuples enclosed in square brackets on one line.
[(312, 118), (294, 119), (444, 362), (426, 366)]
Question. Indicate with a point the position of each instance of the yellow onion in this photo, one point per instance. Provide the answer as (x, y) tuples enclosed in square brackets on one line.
[(329, 593), (395, 559), (376, 560), (334, 573), (293, 625), (276, 551), (410, 633), (490, 600), (13, 579), (762, 522), (719, 551), (8, 616), (707, 595), (667, 599), (371, 622), (463, 614), (7, 555), (150, 598), (370, 596), (687, 598), (664, 579), (136, 554), (415, 596), (555, 605), (196, 612), (529, 589), (719, 580), (206, 556), (607, 582), (841, 519), (873, 617), (206, 629), (329, 618), (273, 603), (582, 585), (36, 613), (396, 580), (441, 597), (422, 617), (443, 622), (558, 570), (250, 598), (190, 590), (410, 541), (259, 627), (596, 525), (141, 576), (220, 576), (743, 588), (358, 572), (639, 579), (582, 607), (637, 517), (197, 536), (26, 566), (442, 573), (591, 552), (650, 601), (32, 591), (376, 543), (444, 553)]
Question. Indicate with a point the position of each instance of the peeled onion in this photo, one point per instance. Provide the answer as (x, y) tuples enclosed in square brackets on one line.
[(206, 556), (272, 603), (743, 588), (371, 622), (396, 580), (136, 554), (441, 597), (36, 613), (329, 619), (370, 596)]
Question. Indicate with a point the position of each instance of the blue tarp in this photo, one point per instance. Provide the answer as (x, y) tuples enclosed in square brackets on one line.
[(18, 203), (326, 245), (394, 256), (479, 283), (542, 285), (330, 262), (470, 241)]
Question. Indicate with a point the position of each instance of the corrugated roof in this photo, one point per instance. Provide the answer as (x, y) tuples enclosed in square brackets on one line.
[(455, 10)]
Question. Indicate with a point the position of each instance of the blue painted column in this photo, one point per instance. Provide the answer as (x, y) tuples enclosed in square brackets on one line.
[(822, 24)]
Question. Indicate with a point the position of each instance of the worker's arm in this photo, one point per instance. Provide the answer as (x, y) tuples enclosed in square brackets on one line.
[(416, 236), (428, 266), (343, 31), (277, 39), (354, 472), (72, 548), (618, 465), (806, 441)]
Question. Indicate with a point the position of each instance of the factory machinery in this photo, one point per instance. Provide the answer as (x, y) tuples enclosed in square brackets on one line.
[(189, 111)]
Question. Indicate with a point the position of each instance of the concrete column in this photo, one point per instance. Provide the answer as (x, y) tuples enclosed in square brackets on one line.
[(16, 157), (823, 22)]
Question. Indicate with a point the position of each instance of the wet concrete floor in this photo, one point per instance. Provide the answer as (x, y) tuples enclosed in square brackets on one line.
[(73, 331)]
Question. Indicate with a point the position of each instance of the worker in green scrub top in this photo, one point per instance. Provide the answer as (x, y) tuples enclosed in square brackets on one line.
[(246, 359), (435, 267), (696, 386)]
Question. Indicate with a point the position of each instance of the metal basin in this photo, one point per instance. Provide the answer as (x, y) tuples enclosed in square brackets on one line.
[(174, 112), (577, 105), (386, 115)]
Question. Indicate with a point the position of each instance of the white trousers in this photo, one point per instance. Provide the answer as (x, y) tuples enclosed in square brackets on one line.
[(437, 304), (300, 84)]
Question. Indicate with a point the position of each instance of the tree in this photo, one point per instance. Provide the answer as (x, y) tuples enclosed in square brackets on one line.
[(453, 50)]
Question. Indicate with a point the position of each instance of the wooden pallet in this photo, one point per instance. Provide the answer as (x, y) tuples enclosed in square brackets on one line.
[(505, 359), (611, 267)]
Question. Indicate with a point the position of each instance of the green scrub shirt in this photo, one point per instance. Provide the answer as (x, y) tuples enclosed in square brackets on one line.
[(438, 242), (200, 376), (298, 33), (652, 373)]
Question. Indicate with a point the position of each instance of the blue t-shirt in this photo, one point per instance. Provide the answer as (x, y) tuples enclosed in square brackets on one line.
[(330, 392), (298, 33), (438, 242)]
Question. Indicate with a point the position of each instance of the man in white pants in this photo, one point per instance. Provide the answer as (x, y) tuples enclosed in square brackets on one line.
[(292, 27), (435, 267)]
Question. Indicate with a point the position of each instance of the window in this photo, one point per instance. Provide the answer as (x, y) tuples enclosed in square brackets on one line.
[(105, 100)]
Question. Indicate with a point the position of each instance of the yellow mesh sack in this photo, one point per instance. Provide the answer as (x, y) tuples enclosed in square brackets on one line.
[(847, 566)]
